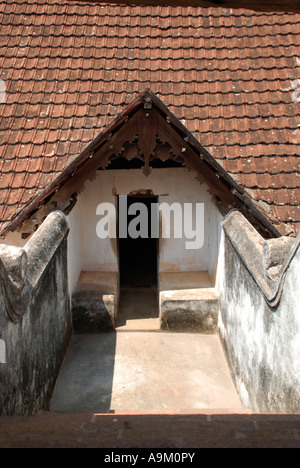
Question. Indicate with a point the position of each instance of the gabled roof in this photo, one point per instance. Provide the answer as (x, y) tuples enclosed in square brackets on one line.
[(228, 75), (146, 127)]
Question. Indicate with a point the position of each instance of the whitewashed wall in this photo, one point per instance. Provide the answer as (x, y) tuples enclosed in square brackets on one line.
[(74, 246), (88, 252)]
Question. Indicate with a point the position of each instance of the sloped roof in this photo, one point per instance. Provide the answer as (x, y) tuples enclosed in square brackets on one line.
[(229, 75), (147, 130)]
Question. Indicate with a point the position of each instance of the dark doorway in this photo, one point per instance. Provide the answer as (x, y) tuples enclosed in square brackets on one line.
[(138, 263), (138, 257)]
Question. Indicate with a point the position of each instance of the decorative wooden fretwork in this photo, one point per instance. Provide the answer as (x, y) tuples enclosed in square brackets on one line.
[(147, 131)]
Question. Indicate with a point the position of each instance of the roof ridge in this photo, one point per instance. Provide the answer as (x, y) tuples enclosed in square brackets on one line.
[(153, 8)]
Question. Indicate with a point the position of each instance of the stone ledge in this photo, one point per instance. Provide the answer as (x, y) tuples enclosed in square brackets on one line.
[(188, 302), (203, 430), (95, 302), (266, 260), (21, 269)]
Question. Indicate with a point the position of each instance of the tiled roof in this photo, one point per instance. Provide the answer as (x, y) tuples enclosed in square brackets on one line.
[(230, 76)]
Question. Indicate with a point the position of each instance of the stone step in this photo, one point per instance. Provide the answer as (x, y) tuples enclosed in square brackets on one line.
[(95, 302), (155, 432), (182, 301), (173, 412), (188, 301)]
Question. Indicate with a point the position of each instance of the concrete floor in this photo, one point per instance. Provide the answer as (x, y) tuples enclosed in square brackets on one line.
[(138, 309), (145, 371)]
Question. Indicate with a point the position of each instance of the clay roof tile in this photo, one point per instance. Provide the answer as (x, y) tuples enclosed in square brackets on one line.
[(69, 71)]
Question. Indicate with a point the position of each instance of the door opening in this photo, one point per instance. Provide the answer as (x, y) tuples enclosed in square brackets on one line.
[(138, 265), (138, 258)]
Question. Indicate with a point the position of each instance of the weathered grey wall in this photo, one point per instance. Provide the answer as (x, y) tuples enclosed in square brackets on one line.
[(260, 316), (35, 319)]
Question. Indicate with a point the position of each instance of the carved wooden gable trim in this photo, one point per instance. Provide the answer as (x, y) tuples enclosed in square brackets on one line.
[(147, 130)]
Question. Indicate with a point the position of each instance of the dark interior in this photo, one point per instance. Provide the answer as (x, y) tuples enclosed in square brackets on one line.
[(136, 163), (138, 257)]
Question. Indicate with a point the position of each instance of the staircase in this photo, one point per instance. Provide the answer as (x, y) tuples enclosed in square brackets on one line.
[(136, 386), (155, 390)]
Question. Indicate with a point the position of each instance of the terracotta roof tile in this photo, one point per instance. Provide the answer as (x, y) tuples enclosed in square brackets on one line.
[(69, 69)]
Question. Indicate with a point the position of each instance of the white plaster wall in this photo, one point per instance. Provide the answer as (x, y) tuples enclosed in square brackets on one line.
[(170, 185), (86, 252), (214, 242), (14, 239)]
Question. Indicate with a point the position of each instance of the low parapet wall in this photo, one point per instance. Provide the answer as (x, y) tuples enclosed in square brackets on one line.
[(260, 316), (35, 319)]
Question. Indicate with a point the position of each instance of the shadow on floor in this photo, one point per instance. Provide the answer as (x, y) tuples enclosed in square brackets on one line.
[(137, 304), (78, 384)]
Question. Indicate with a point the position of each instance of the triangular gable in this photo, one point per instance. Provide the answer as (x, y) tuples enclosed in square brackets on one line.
[(146, 129)]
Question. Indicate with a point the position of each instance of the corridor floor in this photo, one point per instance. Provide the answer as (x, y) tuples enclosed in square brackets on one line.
[(145, 371), (138, 310)]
